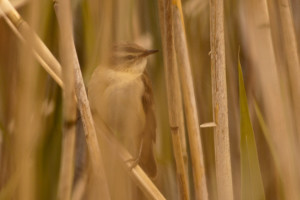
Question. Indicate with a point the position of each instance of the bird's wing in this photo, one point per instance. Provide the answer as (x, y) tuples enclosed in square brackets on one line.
[(147, 160), (148, 106)]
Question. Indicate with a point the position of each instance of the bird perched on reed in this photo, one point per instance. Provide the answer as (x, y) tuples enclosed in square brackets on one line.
[(120, 96)]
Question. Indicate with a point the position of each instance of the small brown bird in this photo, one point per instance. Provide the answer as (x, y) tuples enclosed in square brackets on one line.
[(121, 95)]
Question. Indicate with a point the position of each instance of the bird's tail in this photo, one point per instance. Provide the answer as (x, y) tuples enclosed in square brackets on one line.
[(147, 159)]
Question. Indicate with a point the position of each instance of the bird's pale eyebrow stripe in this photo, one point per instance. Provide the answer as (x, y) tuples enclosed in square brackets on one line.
[(130, 49)]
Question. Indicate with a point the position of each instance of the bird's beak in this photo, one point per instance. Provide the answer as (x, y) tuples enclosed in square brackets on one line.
[(148, 52)]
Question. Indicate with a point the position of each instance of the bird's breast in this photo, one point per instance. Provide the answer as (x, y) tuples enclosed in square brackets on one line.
[(119, 104)]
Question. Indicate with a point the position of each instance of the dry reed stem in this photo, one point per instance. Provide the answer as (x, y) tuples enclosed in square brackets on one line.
[(137, 173), (292, 57), (261, 52), (181, 172), (189, 103), (219, 98), (42, 53), (141, 179), (180, 109), (25, 142), (55, 71), (27, 122), (83, 104), (173, 93), (66, 175), (16, 5)]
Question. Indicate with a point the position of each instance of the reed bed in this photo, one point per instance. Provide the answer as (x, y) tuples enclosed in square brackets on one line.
[(227, 123)]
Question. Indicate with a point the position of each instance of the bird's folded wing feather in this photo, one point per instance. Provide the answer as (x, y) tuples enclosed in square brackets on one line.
[(147, 160)]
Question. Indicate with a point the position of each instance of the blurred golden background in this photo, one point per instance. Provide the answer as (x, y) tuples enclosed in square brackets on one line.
[(265, 32)]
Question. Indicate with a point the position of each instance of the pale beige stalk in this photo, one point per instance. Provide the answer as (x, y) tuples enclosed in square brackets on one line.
[(27, 127), (137, 174), (189, 103), (173, 93), (292, 57), (180, 108), (83, 104), (55, 71), (219, 98), (47, 60), (28, 123), (255, 23), (66, 175)]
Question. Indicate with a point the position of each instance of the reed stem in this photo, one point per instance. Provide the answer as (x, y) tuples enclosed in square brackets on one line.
[(190, 106), (219, 98), (173, 93), (69, 134)]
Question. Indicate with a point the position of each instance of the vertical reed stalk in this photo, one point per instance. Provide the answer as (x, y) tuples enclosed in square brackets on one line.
[(137, 174), (173, 93), (180, 109), (48, 60), (66, 176), (83, 104), (25, 132), (219, 98), (27, 118), (292, 57), (24, 32), (189, 103), (261, 52)]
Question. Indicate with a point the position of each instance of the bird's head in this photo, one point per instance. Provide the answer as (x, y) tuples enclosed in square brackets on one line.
[(129, 57)]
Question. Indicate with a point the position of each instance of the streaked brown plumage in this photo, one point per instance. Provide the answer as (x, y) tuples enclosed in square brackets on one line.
[(147, 160)]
